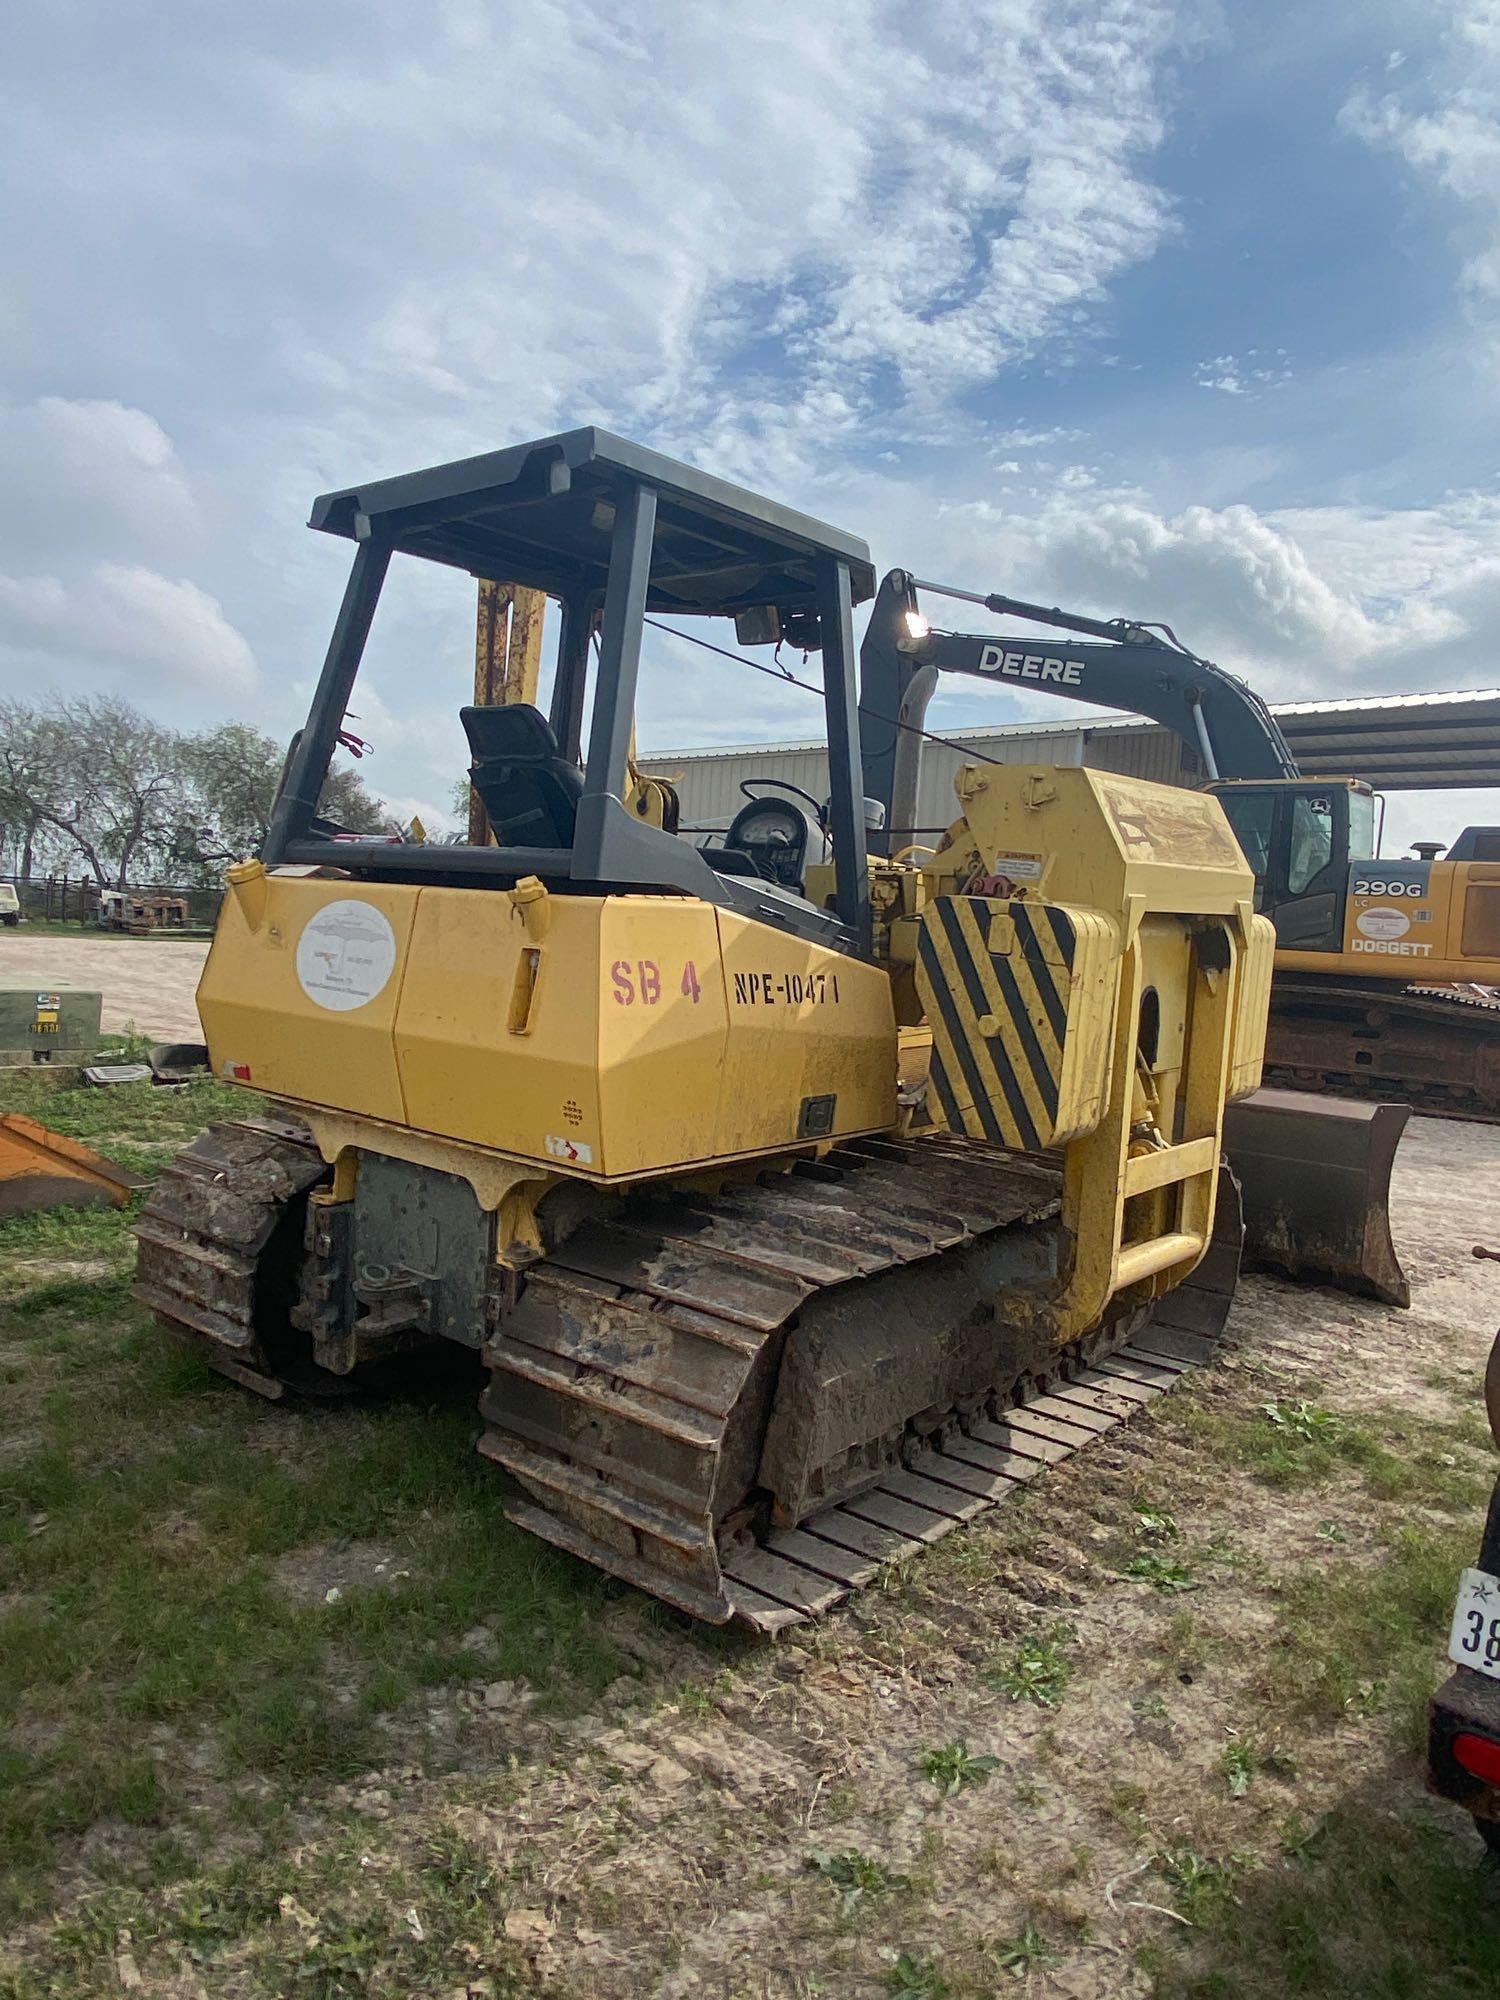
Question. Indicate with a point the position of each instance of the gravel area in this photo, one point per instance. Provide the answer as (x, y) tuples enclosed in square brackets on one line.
[(146, 981)]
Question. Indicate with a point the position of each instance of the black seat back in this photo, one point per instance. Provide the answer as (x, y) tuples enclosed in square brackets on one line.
[(528, 788)]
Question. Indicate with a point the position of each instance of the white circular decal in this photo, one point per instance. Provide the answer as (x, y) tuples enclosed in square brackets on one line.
[(1382, 923), (345, 955)]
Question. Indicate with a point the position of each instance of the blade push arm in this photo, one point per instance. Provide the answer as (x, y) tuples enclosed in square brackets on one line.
[(1117, 665)]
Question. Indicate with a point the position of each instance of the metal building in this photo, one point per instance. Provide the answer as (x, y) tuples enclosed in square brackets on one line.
[(1408, 742)]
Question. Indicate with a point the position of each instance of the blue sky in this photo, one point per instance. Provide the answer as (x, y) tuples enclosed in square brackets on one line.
[(1145, 306)]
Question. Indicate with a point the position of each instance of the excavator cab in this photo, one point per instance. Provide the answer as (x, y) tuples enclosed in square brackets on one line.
[(1300, 836)]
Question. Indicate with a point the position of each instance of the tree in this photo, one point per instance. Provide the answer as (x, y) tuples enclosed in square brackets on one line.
[(129, 782), (95, 782), (345, 801), (98, 776), (235, 773), (33, 785)]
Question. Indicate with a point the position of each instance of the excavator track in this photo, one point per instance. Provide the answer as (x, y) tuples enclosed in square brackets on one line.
[(632, 1384), (629, 1387), (1435, 1048)]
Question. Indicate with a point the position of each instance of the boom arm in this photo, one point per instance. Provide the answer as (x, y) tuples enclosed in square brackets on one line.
[(1128, 666)]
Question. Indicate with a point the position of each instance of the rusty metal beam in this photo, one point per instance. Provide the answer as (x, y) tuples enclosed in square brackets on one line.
[(507, 661)]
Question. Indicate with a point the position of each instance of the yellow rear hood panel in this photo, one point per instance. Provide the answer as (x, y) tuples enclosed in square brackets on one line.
[(467, 1073), (305, 1003), (624, 1036)]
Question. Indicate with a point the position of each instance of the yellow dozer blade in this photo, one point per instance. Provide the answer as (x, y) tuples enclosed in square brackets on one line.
[(39, 1168)]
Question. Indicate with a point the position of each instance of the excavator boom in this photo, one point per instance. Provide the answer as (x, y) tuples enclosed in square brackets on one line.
[(1118, 665), (1351, 932)]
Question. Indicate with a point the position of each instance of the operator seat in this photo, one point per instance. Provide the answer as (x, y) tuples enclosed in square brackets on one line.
[(528, 788)]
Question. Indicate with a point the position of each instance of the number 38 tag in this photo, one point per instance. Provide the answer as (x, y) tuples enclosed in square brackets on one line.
[(1474, 1639)]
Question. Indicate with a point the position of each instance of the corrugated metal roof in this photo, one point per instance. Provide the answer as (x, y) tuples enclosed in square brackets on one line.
[(1348, 704), (1108, 719), (798, 749)]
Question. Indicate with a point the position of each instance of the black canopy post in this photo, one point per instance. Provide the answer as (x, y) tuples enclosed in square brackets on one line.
[(620, 642), (297, 802), (846, 793), (572, 675)]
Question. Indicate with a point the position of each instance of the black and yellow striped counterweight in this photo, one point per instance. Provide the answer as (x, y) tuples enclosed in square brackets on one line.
[(1020, 997)]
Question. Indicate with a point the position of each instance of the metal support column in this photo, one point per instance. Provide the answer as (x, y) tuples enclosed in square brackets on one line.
[(297, 802), (846, 794), (620, 643), (569, 686)]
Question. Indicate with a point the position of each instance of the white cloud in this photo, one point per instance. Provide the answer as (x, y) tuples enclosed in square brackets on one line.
[(123, 618), (1247, 375), (75, 473), (96, 490), (1448, 131), (800, 245), (1234, 582), (743, 229), (1331, 600), (1413, 816)]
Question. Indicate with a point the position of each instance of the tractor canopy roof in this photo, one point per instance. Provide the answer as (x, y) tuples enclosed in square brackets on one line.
[(541, 514)]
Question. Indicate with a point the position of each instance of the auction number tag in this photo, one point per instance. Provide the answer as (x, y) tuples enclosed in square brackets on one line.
[(1474, 1639)]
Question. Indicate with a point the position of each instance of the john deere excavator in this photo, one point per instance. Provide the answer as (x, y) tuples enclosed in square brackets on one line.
[(1380, 965), (798, 1203)]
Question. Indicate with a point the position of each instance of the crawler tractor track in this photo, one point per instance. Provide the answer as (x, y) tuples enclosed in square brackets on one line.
[(629, 1389), (220, 1240), (632, 1388)]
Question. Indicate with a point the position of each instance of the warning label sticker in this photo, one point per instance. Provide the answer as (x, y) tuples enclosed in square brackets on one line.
[(1019, 867)]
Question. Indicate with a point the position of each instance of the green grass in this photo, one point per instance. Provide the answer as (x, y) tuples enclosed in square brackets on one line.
[(1161, 1571), (143, 1521), (137, 1125), (1038, 1671), (1298, 1444), (1027, 1951), (912, 1977), (952, 1769), (1354, 1636), (1383, 1902), (97, 933), (56, 927), (315, 1921), (1383, 1896), (856, 1876), (165, 1694)]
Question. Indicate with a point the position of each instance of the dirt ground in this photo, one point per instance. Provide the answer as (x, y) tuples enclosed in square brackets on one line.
[(672, 1847), (145, 981), (1233, 1608)]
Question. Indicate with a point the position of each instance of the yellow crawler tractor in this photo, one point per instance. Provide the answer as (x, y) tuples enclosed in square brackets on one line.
[(798, 1203)]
